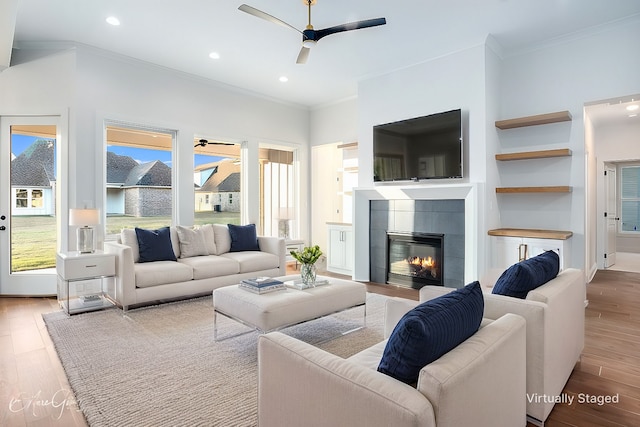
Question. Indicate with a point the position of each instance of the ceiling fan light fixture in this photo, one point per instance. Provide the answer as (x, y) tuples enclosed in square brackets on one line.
[(308, 43)]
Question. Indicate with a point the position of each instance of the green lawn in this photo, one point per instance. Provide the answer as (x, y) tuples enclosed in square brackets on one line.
[(33, 238)]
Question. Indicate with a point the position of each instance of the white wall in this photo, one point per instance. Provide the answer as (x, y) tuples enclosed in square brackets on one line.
[(333, 123), (565, 76)]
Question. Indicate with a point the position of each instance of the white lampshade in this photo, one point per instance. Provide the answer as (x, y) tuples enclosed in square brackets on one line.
[(84, 217)]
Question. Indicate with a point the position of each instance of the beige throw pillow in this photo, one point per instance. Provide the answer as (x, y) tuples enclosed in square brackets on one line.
[(192, 242)]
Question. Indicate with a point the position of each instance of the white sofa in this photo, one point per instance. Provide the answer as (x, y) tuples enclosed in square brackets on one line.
[(481, 382), (555, 315), (139, 283)]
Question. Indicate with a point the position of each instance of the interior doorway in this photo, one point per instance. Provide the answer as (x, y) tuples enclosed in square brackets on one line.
[(612, 129)]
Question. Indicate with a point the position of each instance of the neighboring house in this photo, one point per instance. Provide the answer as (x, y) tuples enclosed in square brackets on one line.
[(33, 180), (139, 190), (221, 191)]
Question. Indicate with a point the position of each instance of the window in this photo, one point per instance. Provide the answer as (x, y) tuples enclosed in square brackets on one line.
[(22, 198), (36, 199), (217, 182), (630, 199), (139, 178), (278, 192)]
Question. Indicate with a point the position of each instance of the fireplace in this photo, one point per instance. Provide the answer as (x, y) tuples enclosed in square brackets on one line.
[(414, 259)]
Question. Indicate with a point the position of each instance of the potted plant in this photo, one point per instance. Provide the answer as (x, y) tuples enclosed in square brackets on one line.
[(307, 259)]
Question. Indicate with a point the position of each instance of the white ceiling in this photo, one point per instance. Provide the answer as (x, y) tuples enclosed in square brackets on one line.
[(254, 53)]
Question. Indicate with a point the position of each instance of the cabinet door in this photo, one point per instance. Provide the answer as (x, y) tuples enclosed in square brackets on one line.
[(538, 246), (336, 255), (505, 251)]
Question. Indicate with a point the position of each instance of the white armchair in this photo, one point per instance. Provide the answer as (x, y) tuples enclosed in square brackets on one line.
[(554, 313), (481, 382)]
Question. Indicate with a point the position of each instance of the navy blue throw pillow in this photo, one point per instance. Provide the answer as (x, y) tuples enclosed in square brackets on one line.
[(243, 238), (527, 275), (430, 330), (155, 245)]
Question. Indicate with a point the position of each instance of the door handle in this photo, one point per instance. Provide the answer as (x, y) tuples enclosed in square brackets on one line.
[(522, 252)]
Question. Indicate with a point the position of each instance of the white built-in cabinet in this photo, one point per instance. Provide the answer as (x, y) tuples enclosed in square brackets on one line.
[(340, 248), (509, 246)]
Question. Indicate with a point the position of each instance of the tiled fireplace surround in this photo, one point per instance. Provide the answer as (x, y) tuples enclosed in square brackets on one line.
[(450, 209), (418, 216)]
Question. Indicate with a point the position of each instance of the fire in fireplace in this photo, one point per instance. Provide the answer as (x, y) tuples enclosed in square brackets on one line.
[(414, 259)]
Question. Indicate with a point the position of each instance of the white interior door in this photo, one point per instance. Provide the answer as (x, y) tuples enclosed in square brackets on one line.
[(29, 201), (611, 219)]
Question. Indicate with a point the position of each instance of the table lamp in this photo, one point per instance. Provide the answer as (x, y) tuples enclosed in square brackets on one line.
[(84, 219)]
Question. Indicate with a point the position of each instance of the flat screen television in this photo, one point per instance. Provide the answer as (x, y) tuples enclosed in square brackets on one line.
[(428, 147)]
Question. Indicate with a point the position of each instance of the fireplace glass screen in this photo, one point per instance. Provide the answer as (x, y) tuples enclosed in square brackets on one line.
[(414, 259)]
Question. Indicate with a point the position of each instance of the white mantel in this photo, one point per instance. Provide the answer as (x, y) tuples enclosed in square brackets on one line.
[(471, 193)]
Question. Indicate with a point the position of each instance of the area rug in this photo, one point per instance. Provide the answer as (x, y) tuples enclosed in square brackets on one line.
[(159, 366)]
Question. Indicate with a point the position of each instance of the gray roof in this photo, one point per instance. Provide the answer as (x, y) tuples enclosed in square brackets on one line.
[(153, 173), (125, 171), (230, 184), (34, 167), (118, 167)]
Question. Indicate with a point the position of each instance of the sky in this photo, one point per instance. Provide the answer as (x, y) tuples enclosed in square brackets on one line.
[(20, 142)]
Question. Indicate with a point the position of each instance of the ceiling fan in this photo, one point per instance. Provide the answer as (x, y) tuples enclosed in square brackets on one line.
[(309, 35), (204, 143)]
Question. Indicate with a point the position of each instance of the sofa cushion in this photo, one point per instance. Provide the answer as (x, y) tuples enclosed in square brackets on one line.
[(430, 330), (243, 238), (155, 245), (161, 273), (192, 242), (209, 238), (527, 275), (222, 238), (253, 260), (205, 267)]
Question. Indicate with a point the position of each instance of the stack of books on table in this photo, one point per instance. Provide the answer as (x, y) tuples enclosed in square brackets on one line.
[(262, 285)]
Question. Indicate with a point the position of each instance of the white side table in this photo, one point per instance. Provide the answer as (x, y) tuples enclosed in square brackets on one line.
[(293, 245), (84, 280)]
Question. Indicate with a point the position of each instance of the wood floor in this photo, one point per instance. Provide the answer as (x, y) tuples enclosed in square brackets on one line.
[(34, 390)]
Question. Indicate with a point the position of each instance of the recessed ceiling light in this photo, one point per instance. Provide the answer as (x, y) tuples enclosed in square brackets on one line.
[(632, 107), (113, 21), (214, 55), (633, 115), (283, 79)]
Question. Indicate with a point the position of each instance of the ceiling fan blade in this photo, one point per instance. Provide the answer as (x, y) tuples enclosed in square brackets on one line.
[(348, 27), (263, 15), (303, 55)]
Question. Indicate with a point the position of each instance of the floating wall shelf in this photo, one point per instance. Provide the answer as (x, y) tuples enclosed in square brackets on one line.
[(563, 152), (514, 190), (531, 233), (540, 119)]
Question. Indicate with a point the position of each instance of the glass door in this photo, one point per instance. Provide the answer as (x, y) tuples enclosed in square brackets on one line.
[(29, 229)]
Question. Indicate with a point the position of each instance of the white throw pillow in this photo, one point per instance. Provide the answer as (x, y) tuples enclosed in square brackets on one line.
[(209, 238), (192, 242), (223, 238)]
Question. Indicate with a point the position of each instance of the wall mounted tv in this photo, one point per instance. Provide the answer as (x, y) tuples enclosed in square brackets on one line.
[(428, 147)]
